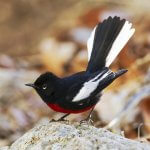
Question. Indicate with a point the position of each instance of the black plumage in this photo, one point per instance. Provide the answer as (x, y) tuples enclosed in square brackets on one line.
[(81, 91)]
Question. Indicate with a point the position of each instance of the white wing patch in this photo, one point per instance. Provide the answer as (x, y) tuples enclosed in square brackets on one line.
[(122, 38), (89, 87)]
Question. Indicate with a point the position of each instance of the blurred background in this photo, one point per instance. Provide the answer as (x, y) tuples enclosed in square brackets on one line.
[(50, 35)]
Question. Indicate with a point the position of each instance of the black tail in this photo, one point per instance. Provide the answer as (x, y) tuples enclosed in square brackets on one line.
[(120, 72), (110, 78), (108, 38)]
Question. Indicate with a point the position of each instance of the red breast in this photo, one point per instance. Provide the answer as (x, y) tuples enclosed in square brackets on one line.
[(58, 108)]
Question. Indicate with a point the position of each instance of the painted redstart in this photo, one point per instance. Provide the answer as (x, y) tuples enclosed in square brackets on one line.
[(82, 91)]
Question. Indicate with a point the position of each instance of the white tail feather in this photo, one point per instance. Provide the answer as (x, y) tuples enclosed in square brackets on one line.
[(90, 43), (122, 38)]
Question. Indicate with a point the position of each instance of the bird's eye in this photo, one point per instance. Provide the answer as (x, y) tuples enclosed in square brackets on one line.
[(44, 86)]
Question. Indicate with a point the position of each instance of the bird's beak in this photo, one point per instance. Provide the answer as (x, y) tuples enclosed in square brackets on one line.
[(30, 84)]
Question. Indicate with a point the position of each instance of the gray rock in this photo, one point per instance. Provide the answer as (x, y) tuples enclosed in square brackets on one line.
[(66, 136)]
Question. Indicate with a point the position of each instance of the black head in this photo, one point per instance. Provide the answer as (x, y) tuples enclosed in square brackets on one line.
[(44, 85)]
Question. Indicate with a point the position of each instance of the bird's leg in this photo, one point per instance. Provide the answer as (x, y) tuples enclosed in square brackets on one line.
[(61, 118), (88, 119)]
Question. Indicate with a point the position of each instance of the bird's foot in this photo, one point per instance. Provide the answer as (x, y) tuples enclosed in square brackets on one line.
[(61, 119), (88, 121), (52, 120)]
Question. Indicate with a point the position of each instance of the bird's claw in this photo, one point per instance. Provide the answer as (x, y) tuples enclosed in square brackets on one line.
[(87, 121), (61, 119), (53, 120)]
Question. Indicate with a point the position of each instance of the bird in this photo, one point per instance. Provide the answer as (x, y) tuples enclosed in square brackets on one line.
[(81, 91)]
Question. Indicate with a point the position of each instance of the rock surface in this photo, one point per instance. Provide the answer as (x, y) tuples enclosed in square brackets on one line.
[(66, 136)]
